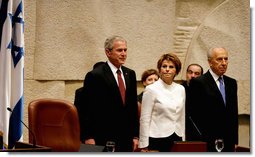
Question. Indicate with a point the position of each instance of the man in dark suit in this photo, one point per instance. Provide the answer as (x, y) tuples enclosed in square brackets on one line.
[(79, 101), (214, 113), (193, 71), (107, 115)]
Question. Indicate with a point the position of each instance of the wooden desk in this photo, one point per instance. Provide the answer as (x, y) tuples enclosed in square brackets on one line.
[(185, 146), (91, 148), (27, 147), (242, 149), (189, 146)]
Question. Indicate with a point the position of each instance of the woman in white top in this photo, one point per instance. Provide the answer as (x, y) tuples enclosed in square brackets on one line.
[(163, 110)]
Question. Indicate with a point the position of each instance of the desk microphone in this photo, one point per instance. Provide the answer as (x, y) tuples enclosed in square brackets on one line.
[(34, 141), (195, 126)]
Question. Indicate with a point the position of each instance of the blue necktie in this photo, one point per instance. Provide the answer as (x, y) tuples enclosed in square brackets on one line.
[(222, 89)]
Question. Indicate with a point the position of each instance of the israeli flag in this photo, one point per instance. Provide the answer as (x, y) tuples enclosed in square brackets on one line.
[(11, 70)]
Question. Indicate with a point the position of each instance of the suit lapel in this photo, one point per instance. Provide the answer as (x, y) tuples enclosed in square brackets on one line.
[(127, 80), (212, 84), (110, 80), (126, 77), (227, 87)]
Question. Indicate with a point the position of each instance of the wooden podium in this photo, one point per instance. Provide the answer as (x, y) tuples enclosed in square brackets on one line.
[(27, 147), (189, 146), (242, 149)]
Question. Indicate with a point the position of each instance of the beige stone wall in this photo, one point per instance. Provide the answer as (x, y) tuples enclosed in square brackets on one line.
[(63, 39)]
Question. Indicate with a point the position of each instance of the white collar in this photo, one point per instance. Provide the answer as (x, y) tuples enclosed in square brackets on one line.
[(215, 76), (113, 68)]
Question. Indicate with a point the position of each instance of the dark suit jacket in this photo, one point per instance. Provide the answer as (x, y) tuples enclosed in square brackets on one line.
[(79, 102), (105, 117), (191, 131), (213, 118)]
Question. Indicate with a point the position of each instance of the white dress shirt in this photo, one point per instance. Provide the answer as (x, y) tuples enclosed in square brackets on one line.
[(114, 71), (162, 112), (215, 77)]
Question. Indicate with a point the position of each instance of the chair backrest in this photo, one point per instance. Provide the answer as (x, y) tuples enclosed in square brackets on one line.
[(55, 124)]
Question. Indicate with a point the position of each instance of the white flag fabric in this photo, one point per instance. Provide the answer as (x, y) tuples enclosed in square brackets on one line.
[(11, 70)]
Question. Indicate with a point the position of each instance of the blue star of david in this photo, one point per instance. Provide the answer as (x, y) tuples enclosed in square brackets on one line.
[(16, 51)]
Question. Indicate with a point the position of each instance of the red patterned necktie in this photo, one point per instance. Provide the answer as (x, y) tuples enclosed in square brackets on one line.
[(121, 86)]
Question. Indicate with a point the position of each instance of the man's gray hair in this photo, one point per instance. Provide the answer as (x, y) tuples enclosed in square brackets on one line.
[(211, 50), (109, 41)]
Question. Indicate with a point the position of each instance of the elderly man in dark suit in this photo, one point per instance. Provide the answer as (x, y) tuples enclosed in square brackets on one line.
[(110, 112), (213, 101)]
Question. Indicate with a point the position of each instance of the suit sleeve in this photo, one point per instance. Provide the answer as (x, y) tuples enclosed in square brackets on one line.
[(87, 108), (234, 98), (135, 107)]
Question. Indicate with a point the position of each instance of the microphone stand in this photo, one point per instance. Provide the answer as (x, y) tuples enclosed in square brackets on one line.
[(34, 140), (195, 126)]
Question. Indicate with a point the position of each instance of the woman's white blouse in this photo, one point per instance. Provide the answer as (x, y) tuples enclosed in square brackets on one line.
[(162, 112)]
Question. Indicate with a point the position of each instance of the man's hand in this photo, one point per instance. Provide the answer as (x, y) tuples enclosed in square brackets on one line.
[(90, 141), (135, 144)]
